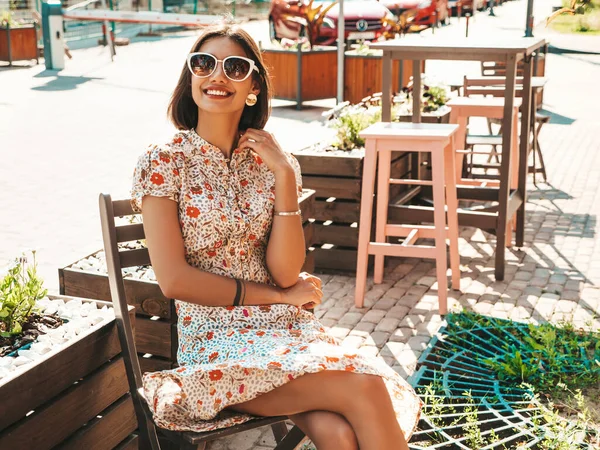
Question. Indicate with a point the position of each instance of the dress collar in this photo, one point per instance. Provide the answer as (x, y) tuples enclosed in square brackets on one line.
[(194, 144)]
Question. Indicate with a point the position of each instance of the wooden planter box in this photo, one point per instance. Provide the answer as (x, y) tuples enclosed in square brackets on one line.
[(75, 399), (18, 44), (302, 76), (337, 180), (363, 75), (156, 319)]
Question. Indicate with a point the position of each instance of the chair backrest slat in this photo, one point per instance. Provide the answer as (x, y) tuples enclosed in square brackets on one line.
[(490, 86), (131, 258), (114, 262), (133, 232), (123, 208)]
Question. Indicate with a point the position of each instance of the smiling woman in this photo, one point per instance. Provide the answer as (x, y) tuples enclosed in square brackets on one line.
[(224, 233)]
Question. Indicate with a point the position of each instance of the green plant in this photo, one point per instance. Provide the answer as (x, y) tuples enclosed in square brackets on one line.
[(513, 366), (557, 432), (350, 122), (20, 289), (434, 94), (574, 7), (6, 20)]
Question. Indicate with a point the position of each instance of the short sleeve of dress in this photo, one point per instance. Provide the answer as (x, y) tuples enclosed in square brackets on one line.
[(156, 174), (296, 166)]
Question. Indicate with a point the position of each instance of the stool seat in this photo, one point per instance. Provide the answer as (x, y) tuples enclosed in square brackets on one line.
[(381, 139), (422, 131)]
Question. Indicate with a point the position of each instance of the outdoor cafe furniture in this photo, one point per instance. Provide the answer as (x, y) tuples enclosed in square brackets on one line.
[(461, 109), (511, 51), (381, 139), (495, 86)]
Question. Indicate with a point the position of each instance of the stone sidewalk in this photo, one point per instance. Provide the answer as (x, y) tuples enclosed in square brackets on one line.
[(65, 137)]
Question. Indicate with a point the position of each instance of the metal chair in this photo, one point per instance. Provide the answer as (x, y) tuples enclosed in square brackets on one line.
[(150, 436)]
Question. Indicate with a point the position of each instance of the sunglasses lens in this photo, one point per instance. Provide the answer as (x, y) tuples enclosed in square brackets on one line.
[(202, 65), (236, 68)]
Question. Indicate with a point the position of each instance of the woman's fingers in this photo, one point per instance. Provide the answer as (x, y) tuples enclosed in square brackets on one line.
[(256, 136)]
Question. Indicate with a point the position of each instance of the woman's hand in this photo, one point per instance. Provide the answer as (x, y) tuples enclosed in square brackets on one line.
[(264, 145), (306, 293)]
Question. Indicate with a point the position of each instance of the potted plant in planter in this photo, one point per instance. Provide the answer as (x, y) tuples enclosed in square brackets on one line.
[(18, 40), (302, 71), (62, 379), (434, 96)]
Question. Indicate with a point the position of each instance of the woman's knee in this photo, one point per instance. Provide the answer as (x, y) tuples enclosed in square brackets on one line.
[(328, 430)]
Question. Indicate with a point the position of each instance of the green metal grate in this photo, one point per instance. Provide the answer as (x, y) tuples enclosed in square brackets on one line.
[(467, 406)]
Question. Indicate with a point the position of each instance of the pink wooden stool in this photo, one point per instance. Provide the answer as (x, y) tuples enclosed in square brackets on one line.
[(382, 139)]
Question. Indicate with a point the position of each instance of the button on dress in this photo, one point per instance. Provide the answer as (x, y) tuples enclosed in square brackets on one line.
[(229, 355)]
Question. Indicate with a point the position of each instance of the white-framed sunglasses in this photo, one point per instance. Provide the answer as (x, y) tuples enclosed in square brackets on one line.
[(236, 68)]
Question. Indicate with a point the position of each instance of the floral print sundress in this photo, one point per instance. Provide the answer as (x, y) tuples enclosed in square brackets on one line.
[(229, 355)]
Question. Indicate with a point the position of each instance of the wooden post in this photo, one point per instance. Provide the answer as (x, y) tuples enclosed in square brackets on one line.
[(416, 91), (386, 87), (526, 120), (503, 192), (299, 79)]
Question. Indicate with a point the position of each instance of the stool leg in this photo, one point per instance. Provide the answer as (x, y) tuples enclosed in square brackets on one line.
[(452, 204), (514, 174), (439, 220), (366, 214), (383, 195), (459, 139)]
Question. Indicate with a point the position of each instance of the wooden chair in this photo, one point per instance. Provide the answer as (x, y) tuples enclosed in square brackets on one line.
[(498, 68), (494, 87), (150, 436)]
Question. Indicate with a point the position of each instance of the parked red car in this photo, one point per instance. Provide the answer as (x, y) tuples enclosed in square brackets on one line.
[(362, 20), (426, 10)]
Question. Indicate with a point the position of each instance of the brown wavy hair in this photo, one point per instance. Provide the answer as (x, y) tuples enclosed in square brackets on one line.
[(182, 110)]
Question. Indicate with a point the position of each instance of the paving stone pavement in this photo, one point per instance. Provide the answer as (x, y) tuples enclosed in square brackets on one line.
[(66, 137)]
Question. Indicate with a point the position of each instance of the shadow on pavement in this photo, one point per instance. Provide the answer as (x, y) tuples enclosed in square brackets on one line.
[(562, 51), (308, 113), (557, 119), (61, 82)]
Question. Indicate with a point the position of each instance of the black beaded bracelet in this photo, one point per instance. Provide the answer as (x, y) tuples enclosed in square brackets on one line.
[(238, 292), (243, 292)]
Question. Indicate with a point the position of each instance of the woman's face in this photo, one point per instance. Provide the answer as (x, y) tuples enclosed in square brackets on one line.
[(217, 93)]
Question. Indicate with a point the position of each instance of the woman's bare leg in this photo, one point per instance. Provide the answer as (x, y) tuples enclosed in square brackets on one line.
[(362, 400), (327, 430)]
